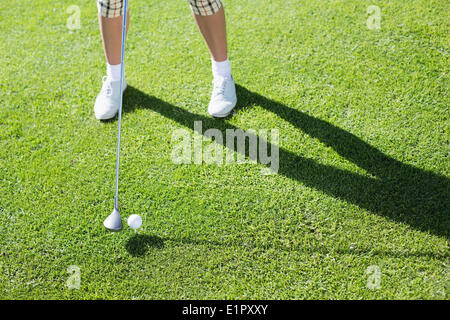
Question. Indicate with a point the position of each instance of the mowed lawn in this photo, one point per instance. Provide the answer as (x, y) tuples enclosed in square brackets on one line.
[(359, 209)]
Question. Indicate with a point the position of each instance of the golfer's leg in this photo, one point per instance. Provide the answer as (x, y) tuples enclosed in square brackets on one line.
[(110, 16), (210, 18), (111, 31), (213, 29)]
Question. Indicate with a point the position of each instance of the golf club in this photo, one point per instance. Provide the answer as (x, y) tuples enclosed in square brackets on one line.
[(113, 222)]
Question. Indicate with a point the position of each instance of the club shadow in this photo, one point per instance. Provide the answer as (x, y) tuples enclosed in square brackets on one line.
[(394, 190), (317, 248)]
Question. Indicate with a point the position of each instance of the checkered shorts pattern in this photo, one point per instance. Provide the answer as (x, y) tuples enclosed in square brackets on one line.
[(114, 8), (205, 7), (110, 8)]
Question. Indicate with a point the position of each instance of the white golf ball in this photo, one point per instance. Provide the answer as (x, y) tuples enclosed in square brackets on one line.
[(134, 221)]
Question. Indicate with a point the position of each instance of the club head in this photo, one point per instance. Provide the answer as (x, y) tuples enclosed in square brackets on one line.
[(113, 222)]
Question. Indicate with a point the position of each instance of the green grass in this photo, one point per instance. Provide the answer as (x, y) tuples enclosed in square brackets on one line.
[(364, 154)]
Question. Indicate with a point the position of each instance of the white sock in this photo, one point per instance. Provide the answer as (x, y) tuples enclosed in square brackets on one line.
[(113, 71), (221, 69)]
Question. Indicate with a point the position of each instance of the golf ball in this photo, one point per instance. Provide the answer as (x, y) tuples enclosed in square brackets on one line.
[(134, 221)]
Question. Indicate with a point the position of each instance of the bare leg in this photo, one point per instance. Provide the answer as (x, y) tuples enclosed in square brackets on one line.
[(108, 100), (111, 30), (213, 29)]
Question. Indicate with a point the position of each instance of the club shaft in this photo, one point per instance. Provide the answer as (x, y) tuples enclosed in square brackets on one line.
[(122, 60)]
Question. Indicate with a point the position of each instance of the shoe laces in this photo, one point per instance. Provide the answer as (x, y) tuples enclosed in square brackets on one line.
[(219, 87), (107, 89)]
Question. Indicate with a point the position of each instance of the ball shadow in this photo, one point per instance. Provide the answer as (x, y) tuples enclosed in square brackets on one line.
[(139, 244)]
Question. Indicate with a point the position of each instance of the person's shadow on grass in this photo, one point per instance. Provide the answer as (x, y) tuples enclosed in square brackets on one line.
[(398, 191)]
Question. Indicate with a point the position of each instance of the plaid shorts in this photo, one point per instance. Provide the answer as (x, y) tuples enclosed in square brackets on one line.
[(205, 7), (114, 8)]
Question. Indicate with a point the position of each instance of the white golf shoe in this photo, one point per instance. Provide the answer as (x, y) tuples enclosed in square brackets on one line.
[(108, 100), (223, 98)]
